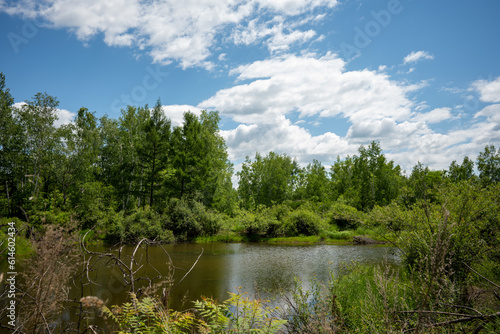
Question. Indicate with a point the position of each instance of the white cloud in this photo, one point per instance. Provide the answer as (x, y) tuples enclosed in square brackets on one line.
[(311, 86), (282, 136), (489, 90), (171, 30), (434, 116), (64, 117), (279, 35), (492, 113), (372, 105), (415, 56), (175, 112)]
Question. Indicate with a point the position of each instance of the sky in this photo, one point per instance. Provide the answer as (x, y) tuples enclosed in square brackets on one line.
[(314, 79)]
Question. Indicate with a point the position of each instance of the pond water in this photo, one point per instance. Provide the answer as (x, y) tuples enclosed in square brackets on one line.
[(255, 267)]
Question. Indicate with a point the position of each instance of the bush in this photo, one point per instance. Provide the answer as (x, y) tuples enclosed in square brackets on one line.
[(302, 221), (211, 222), (138, 225), (344, 216), (390, 217), (182, 220)]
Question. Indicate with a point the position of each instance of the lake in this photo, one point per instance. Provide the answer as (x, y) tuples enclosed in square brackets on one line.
[(255, 267)]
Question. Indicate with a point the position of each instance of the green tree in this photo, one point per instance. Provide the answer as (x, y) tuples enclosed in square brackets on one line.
[(218, 192), (462, 172), (40, 144), (342, 179), (120, 160), (313, 182), (153, 151), (10, 151), (423, 184), (367, 179), (488, 164), (190, 158), (269, 180)]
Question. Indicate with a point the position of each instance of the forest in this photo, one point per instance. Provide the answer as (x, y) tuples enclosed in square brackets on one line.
[(138, 177)]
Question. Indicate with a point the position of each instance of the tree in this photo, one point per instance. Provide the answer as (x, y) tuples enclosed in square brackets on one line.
[(218, 191), (488, 164), (40, 144), (314, 181), (153, 151), (269, 180), (462, 172), (423, 183), (190, 158), (10, 147), (120, 162), (367, 179)]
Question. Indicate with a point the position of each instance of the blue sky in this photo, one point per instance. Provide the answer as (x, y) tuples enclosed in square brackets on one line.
[(310, 78)]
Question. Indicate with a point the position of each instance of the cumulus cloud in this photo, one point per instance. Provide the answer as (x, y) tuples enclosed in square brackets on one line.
[(284, 137), (64, 117), (372, 106), (310, 85), (489, 91), (434, 116), (416, 56), (492, 114), (173, 30), (175, 112)]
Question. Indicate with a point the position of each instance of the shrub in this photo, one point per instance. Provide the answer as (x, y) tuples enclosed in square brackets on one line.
[(181, 220), (262, 223), (137, 225), (302, 221), (344, 216), (211, 222), (391, 217)]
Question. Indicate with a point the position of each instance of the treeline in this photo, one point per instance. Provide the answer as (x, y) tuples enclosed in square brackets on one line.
[(95, 165), (362, 181), (140, 176)]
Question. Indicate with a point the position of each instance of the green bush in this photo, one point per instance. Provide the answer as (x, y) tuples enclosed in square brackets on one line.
[(262, 223), (211, 222), (344, 216), (182, 220), (137, 225), (391, 217), (303, 222)]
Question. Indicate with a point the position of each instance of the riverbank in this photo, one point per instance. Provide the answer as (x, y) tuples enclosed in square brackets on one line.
[(297, 240)]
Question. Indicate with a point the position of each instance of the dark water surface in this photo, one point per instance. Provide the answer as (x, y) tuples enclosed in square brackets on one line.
[(222, 268)]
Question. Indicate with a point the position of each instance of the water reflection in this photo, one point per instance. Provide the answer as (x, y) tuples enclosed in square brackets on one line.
[(257, 268)]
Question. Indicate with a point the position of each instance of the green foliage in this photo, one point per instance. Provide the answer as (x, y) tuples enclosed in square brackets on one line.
[(135, 226), (148, 316), (391, 217), (311, 311), (344, 216), (238, 314), (488, 164), (214, 316), (189, 219), (445, 241), (366, 180), (462, 172), (153, 151), (372, 300), (267, 180), (423, 184), (302, 222), (262, 223), (23, 245)]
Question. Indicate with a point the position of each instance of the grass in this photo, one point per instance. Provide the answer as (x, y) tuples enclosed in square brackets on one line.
[(330, 236), (227, 238)]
